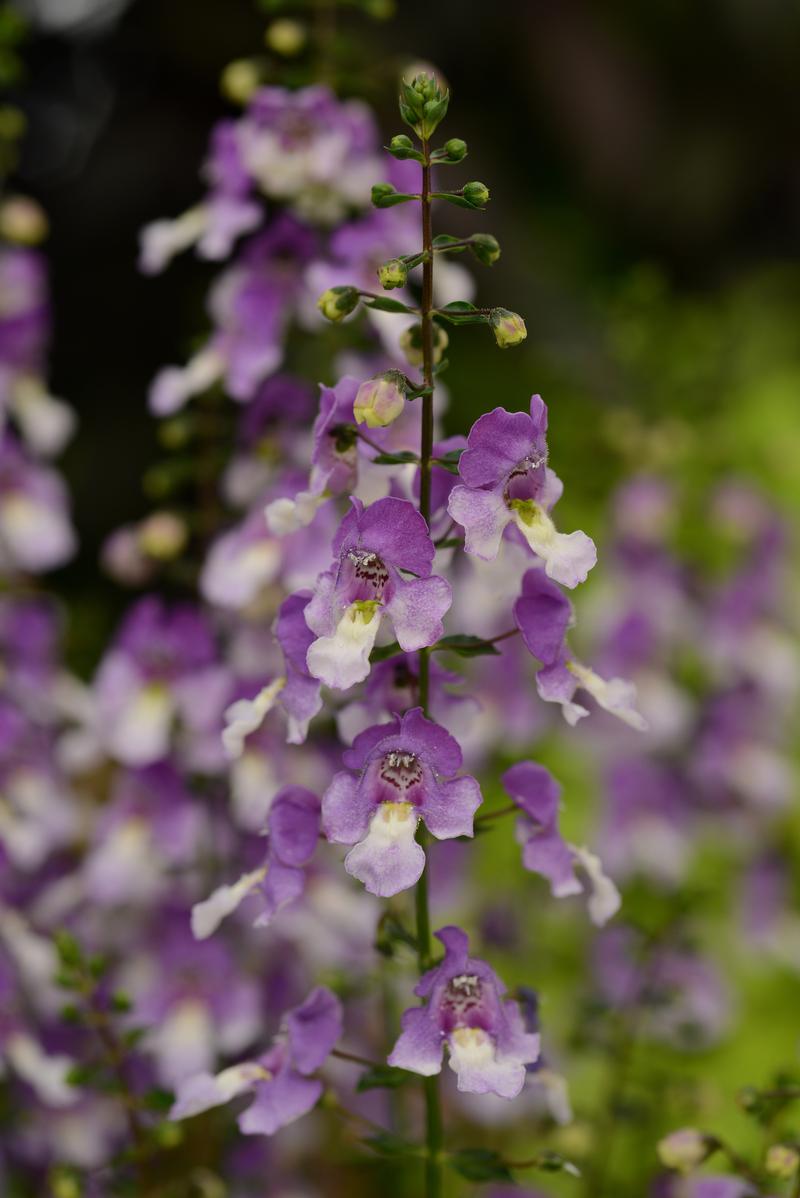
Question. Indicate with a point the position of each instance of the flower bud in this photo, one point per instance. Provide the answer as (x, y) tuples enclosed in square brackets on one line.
[(508, 327), (485, 248), (379, 401), (782, 1161), (286, 37), (381, 193), (401, 146), (338, 302), (476, 193), (239, 80), (456, 149), (23, 221), (685, 1149), (411, 344), (393, 273)]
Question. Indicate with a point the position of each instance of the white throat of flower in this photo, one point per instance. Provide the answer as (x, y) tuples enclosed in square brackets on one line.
[(615, 695), (285, 515), (246, 715), (342, 660), (471, 1048)]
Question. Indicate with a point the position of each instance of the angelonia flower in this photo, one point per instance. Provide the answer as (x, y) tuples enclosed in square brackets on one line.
[(280, 1080), (405, 776), (488, 1047), (505, 480)]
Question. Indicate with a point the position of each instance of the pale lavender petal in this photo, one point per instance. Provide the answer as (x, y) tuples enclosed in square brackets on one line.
[(314, 1027), (497, 441), (280, 1101), (483, 515), (346, 810), (389, 859), (449, 808), (420, 1045), (543, 614), (416, 609)]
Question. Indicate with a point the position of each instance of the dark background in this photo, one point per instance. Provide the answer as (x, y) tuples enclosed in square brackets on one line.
[(611, 134)]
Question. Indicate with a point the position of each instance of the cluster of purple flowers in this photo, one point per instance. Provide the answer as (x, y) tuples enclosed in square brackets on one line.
[(182, 815)]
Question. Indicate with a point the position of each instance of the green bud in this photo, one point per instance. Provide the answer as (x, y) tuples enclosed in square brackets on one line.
[(456, 149), (68, 949), (685, 1149), (393, 273), (508, 328), (121, 1002), (239, 80), (402, 147), (485, 248), (476, 193), (286, 37), (782, 1161), (423, 104), (338, 302), (382, 195), (411, 344)]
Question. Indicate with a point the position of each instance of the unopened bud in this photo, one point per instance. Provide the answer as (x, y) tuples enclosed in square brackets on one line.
[(379, 401), (239, 80), (456, 149), (685, 1149), (393, 273), (286, 37), (508, 327), (402, 148), (338, 302), (411, 344), (476, 193), (23, 220), (782, 1161), (485, 248), (381, 193)]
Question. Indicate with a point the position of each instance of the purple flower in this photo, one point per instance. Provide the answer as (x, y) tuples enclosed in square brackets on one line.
[(486, 1038), (543, 615), (281, 1079), (544, 851), (406, 775), (293, 831), (35, 531), (507, 481), (372, 546)]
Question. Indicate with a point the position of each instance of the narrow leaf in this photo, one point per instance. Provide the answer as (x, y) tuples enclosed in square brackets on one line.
[(465, 646), (382, 1077)]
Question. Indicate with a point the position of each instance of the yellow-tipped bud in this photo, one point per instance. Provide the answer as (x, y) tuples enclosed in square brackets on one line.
[(508, 327), (286, 37), (338, 302)]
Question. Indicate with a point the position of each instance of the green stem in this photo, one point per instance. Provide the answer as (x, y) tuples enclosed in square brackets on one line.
[(434, 1134)]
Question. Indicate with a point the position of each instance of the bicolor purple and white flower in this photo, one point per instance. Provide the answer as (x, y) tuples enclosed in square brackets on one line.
[(545, 852), (543, 614), (293, 828), (281, 1080), (406, 775), (488, 1046), (373, 548), (505, 480)]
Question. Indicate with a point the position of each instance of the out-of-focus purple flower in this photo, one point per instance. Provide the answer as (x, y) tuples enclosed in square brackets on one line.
[(406, 775), (35, 530), (293, 829), (310, 150), (485, 1035), (544, 851), (372, 547), (506, 480), (162, 665), (281, 1079)]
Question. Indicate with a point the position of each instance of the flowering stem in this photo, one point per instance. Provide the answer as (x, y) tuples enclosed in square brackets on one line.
[(433, 1110)]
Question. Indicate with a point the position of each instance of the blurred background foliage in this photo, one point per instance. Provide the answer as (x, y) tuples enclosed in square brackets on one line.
[(644, 161)]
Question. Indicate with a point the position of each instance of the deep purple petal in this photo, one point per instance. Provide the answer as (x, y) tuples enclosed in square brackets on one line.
[(397, 532), (314, 1027), (542, 613), (497, 441), (294, 821)]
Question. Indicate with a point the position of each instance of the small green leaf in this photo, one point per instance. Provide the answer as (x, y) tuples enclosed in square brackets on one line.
[(462, 312), (457, 200), (387, 1144), (402, 457), (392, 932), (465, 646), (383, 304), (158, 1099), (449, 461), (382, 1077), (449, 543), (455, 245), (480, 1164)]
